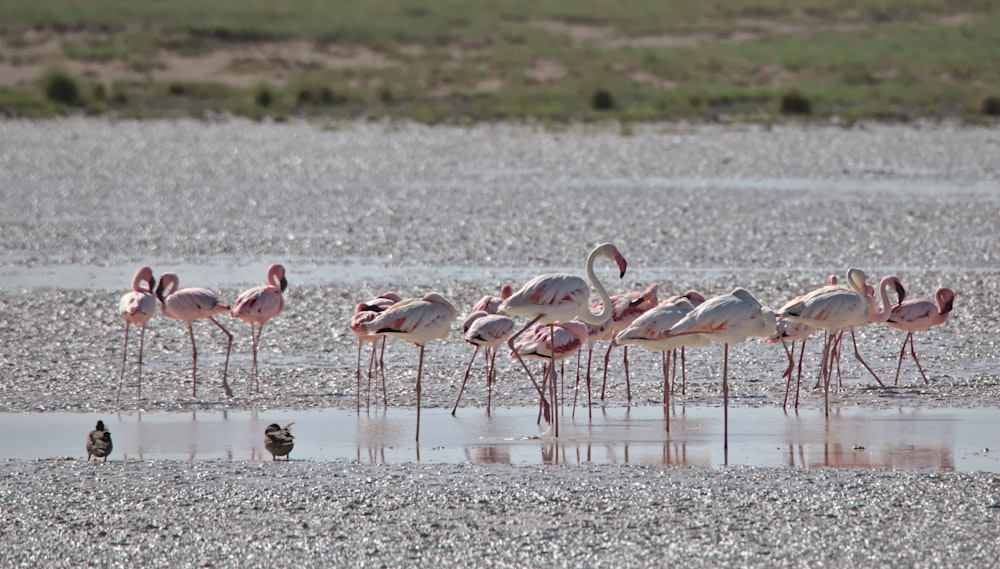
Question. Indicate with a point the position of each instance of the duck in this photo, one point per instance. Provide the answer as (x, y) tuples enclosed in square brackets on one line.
[(99, 442), (278, 441)]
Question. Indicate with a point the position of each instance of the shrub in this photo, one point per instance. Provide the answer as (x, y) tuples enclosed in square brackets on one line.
[(795, 103), (602, 100), (990, 105), (62, 88)]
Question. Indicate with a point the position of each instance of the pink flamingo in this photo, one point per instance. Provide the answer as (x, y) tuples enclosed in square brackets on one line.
[(917, 315), (489, 331), (560, 297), (553, 342), (137, 307), (491, 304), (190, 304), (364, 312), (627, 307), (834, 308), (258, 305), (416, 321), (651, 331), (726, 319)]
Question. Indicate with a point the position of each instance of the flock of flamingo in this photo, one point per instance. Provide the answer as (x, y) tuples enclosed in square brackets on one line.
[(563, 321)]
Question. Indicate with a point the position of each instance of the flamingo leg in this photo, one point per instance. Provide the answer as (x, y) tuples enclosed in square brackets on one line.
[(607, 358), (552, 372), (628, 383), (576, 388), (666, 389), (902, 351), (466, 378), (256, 348), (142, 340), (125, 353), (229, 348), (253, 344), (420, 371), (857, 354), (788, 371), (194, 362), (381, 365), (490, 376), (913, 352), (823, 374), (725, 397), (798, 381), (590, 408), (510, 343), (357, 380), (684, 380)]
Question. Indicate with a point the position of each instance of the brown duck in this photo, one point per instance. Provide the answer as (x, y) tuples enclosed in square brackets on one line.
[(99, 442), (278, 441)]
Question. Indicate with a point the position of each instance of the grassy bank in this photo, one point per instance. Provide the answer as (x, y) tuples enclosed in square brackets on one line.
[(452, 60)]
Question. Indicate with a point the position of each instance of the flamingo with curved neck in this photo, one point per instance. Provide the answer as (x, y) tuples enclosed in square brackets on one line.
[(137, 307), (561, 297)]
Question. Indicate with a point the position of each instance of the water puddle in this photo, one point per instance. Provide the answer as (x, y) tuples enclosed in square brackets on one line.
[(939, 439)]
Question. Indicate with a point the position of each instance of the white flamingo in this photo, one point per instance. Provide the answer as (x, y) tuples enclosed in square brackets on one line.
[(560, 297), (416, 321)]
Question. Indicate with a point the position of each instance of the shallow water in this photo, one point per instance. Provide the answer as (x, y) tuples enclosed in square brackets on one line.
[(904, 438)]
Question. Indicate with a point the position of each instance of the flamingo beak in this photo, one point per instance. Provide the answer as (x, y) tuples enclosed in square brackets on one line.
[(900, 291), (284, 283), (622, 264)]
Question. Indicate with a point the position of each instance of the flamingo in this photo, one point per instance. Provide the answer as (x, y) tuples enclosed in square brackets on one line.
[(553, 342), (190, 304), (627, 307), (786, 331), (364, 312), (416, 321), (917, 315), (560, 297), (258, 305), (726, 319), (834, 308), (489, 331), (651, 330), (137, 307), (491, 304)]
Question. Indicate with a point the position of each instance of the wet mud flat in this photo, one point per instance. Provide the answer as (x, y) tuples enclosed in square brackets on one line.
[(362, 208)]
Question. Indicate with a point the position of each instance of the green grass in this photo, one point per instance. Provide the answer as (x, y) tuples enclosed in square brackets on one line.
[(462, 60)]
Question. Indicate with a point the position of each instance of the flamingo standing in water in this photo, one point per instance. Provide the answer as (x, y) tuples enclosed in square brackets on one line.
[(626, 308), (416, 321), (489, 331), (364, 312), (917, 315), (560, 297), (137, 307), (651, 331), (552, 342), (258, 305), (726, 319), (834, 308), (190, 304)]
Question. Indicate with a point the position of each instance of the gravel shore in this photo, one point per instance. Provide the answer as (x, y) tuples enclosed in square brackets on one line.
[(360, 208)]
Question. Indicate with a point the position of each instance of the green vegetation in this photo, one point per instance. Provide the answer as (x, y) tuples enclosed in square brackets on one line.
[(461, 60)]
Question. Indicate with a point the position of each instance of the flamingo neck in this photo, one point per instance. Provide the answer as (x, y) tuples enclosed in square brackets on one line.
[(606, 307), (881, 314)]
